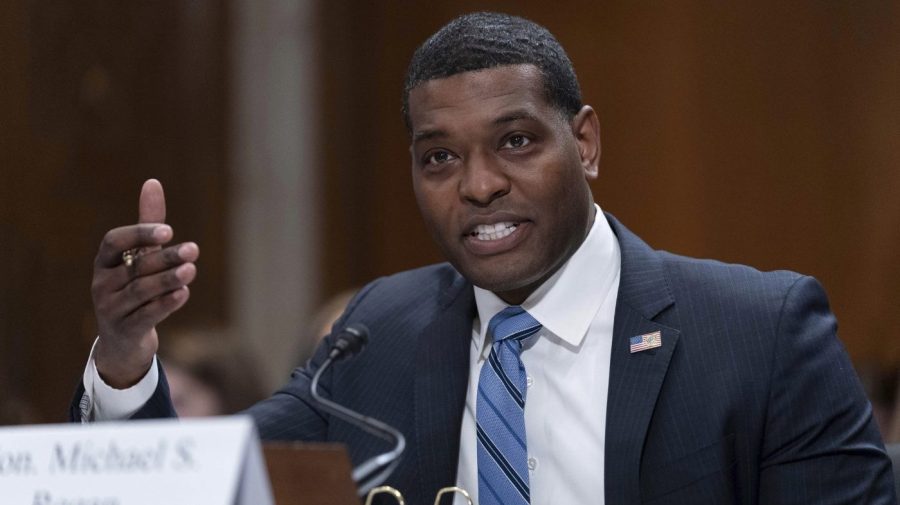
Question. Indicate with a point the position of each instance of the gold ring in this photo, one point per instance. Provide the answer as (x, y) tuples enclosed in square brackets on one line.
[(129, 256)]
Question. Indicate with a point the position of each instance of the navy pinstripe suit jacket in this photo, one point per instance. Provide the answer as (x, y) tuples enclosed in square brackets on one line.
[(750, 399)]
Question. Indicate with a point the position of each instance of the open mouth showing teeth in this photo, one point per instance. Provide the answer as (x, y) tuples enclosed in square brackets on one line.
[(493, 231)]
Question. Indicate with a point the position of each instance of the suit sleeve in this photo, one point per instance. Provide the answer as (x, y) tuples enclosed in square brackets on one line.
[(291, 414), (821, 444)]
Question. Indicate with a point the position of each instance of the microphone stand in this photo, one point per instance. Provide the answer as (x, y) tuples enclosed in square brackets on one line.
[(376, 469)]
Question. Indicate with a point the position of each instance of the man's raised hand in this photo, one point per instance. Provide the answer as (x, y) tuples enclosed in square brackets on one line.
[(130, 300)]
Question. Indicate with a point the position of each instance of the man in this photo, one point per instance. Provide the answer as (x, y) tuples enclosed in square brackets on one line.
[(556, 358)]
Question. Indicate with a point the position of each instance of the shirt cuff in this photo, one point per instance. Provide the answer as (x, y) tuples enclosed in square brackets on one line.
[(102, 402)]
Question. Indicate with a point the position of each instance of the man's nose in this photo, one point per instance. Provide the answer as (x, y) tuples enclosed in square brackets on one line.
[(483, 181)]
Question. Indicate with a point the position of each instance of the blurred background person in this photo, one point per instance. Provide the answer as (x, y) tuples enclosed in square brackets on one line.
[(209, 374), (322, 320), (14, 411)]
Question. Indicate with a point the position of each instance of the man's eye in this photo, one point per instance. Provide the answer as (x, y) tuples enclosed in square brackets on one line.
[(517, 141), (438, 158)]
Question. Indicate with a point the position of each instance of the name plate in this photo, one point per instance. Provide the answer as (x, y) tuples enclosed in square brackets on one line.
[(214, 461)]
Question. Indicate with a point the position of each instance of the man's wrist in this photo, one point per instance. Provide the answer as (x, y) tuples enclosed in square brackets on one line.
[(105, 402), (118, 373)]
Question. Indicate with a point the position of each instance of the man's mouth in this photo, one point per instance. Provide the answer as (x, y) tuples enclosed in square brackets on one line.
[(496, 231)]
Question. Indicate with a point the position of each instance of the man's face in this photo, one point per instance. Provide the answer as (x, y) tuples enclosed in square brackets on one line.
[(501, 177)]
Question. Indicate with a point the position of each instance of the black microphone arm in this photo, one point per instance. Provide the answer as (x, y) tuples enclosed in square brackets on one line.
[(374, 471)]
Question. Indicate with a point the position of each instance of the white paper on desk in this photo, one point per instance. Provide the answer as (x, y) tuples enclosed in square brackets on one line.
[(213, 461)]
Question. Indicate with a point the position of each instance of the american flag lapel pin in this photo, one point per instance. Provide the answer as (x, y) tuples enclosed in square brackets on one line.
[(646, 341)]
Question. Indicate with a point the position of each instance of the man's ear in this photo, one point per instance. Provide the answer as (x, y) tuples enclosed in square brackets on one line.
[(586, 129)]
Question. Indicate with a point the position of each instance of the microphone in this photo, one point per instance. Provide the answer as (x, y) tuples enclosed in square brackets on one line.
[(349, 342), (375, 470)]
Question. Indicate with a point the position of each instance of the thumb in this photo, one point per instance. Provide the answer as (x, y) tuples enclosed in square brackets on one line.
[(152, 205)]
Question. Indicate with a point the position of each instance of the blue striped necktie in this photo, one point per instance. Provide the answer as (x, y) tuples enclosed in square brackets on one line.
[(500, 412)]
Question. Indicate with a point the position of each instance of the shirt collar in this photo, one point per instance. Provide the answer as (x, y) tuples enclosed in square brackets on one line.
[(568, 301)]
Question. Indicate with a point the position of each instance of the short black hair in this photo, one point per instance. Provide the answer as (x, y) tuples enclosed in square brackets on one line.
[(483, 40)]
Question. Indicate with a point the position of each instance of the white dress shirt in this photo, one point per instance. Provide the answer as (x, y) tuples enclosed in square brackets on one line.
[(567, 365), (102, 402)]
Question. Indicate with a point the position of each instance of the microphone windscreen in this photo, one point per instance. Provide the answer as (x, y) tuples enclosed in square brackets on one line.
[(350, 341)]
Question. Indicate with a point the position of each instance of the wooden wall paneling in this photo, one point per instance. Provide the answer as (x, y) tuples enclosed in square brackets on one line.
[(347, 138), (867, 138), (102, 95)]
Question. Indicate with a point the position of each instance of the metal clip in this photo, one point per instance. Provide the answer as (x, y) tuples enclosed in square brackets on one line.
[(386, 490), (451, 489)]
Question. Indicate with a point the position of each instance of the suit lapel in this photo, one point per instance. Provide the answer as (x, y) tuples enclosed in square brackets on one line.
[(442, 373), (635, 379)]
